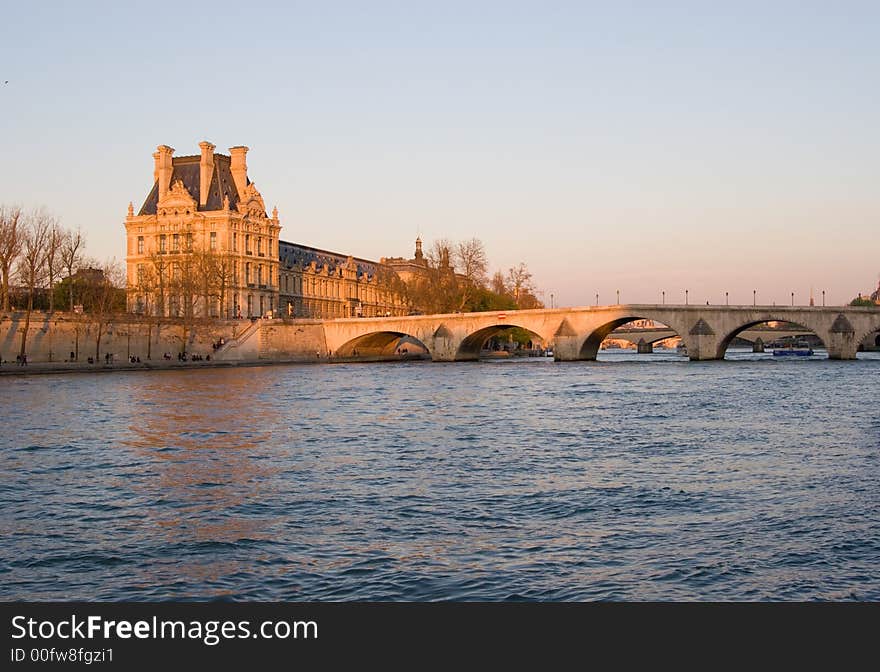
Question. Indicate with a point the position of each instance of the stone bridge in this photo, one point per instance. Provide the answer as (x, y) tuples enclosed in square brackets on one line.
[(575, 333)]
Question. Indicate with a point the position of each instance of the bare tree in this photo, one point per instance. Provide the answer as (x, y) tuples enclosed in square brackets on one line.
[(161, 269), (439, 255), (143, 290), (54, 259), (223, 270), (519, 279), (71, 252), (11, 235), (455, 278), (32, 263), (498, 284), (102, 295), (472, 264), (436, 291), (186, 286)]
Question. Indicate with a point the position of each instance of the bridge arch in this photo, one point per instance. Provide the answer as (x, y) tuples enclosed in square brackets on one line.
[(383, 345), (471, 345), (724, 343), (866, 337), (589, 349)]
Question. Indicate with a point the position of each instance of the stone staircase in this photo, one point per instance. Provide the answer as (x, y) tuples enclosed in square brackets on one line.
[(243, 346)]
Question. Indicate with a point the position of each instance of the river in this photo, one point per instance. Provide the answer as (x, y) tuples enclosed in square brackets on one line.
[(638, 477)]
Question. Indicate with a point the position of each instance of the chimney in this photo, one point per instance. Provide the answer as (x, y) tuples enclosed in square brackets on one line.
[(206, 171), (238, 167), (163, 168)]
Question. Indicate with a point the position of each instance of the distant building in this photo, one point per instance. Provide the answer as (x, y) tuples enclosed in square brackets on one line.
[(322, 284), (875, 297), (408, 269), (87, 276)]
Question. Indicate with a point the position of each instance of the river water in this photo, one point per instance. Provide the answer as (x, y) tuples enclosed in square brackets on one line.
[(640, 477)]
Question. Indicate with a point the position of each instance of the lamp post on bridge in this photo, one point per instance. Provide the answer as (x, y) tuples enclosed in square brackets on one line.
[(597, 298), (551, 299), (726, 299), (823, 298), (792, 298), (685, 297), (664, 297), (754, 297), (618, 297)]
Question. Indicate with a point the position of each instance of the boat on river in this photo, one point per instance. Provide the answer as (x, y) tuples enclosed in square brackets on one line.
[(794, 350)]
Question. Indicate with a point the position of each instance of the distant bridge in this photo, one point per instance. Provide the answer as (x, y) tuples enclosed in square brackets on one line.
[(653, 335), (576, 333)]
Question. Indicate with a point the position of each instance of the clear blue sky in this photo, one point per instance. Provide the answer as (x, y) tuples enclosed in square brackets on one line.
[(634, 146)]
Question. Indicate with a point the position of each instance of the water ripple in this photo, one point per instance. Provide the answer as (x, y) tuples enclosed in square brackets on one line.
[(613, 480)]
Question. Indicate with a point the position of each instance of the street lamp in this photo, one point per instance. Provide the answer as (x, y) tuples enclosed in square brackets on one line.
[(551, 300), (726, 299), (754, 297), (618, 297), (823, 298), (664, 297), (792, 298), (685, 297), (597, 298)]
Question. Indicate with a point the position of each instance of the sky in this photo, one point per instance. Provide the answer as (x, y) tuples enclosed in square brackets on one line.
[(645, 147)]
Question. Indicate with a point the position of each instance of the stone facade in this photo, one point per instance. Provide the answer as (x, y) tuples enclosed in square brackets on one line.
[(324, 285), (202, 245)]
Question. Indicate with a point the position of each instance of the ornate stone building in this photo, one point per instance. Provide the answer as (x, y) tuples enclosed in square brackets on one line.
[(203, 245)]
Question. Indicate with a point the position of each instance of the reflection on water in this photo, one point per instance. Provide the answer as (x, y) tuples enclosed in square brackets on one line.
[(635, 477)]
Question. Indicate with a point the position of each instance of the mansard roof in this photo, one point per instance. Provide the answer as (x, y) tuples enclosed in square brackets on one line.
[(186, 169), (293, 254)]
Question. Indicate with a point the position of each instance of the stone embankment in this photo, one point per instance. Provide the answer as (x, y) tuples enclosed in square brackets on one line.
[(13, 369)]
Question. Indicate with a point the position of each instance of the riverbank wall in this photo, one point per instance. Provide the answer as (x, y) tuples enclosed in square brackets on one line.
[(69, 337), (65, 338)]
